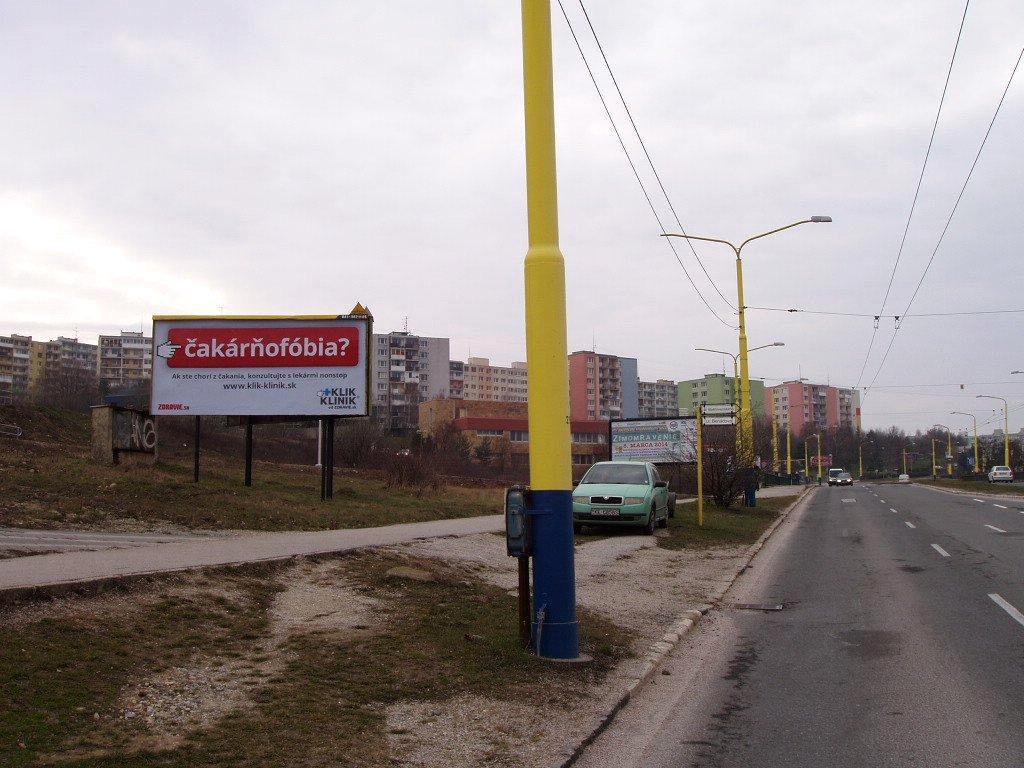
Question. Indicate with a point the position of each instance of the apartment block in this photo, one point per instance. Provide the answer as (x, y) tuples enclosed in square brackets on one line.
[(55, 360), (406, 370), (658, 399), (716, 389), (15, 357), (806, 408), (456, 379), (124, 361), (603, 387), (497, 383)]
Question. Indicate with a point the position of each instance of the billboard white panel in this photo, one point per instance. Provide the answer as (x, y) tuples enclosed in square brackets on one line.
[(656, 440), (260, 366)]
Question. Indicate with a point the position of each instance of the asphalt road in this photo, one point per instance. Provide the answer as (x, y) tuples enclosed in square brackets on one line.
[(900, 644)]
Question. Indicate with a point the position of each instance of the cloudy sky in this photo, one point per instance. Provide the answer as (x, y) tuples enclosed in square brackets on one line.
[(264, 157)]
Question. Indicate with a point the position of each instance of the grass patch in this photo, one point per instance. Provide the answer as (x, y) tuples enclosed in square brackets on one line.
[(58, 486), (326, 703), (722, 527), (974, 486)]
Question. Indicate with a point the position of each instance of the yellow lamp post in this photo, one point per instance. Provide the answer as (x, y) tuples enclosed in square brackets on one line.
[(977, 466), (555, 625), (818, 437), (789, 448), (935, 469), (1006, 429), (746, 416), (949, 448), (741, 436), (860, 457)]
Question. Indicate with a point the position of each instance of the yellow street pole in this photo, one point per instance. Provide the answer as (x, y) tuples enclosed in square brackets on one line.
[(700, 466), (789, 449), (819, 455), (977, 466), (807, 463), (905, 461), (934, 468), (860, 456), (776, 462), (949, 453), (555, 625), (746, 417)]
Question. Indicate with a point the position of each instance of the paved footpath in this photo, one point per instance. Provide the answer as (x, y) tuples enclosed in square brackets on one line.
[(35, 541), (69, 568)]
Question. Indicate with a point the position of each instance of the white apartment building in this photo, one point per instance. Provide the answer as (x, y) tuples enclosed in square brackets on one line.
[(658, 399), (406, 370), (496, 383), (125, 360)]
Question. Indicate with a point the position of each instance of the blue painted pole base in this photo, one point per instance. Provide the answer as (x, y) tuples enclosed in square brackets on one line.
[(556, 631)]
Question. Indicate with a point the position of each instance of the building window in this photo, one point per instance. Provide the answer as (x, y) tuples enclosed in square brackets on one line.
[(519, 436)]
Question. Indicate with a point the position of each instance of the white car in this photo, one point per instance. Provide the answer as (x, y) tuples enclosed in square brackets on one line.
[(904, 478), (1000, 475)]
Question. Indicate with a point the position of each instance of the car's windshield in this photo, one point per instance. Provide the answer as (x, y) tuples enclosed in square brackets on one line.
[(1001, 469), (834, 472), (617, 474)]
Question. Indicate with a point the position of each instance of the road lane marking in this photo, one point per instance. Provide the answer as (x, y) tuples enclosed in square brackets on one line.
[(1014, 613), (882, 500), (997, 530), (848, 501), (980, 501), (893, 511), (909, 524), (940, 550), (1000, 506)]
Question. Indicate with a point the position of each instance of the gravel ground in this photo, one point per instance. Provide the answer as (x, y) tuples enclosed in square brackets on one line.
[(627, 578)]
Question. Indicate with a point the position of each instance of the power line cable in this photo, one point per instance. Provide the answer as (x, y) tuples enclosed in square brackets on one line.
[(650, 161), (917, 190), (795, 310), (956, 205), (632, 165)]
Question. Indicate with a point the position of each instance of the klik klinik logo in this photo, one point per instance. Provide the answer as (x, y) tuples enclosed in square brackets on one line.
[(300, 347)]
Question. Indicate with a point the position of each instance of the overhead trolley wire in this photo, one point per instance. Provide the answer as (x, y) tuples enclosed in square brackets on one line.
[(793, 310), (917, 190), (956, 204), (632, 165), (650, 161)]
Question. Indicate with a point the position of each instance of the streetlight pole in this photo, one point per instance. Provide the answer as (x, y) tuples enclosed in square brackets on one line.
[(935, 472), (789, 447), (746, 417), (949, 449), (1006, 428), (554, 578), (741, 437), (818, 437), (860, 456), (977, 467)]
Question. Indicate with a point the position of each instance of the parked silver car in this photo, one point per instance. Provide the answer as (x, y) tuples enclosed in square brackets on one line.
[(1000, 475)]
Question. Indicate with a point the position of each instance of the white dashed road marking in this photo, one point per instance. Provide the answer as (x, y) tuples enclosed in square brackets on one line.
[(893, 511), (1000, 506), (980, 501), (848, 501), (940, 550), (909, 524), (997, 530), (1014, 613)]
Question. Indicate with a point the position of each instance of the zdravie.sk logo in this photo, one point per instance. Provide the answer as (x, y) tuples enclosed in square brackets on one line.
[(338, 397)]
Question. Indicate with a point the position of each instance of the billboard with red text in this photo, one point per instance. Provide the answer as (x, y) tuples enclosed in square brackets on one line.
[(314, 365)]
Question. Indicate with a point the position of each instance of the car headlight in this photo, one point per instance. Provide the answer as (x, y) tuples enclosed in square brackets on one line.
[(633, 500), (581, 499)]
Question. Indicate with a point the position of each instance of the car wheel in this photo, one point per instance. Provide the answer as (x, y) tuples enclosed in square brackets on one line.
[(651, 520), (663, 523), (577, 528)]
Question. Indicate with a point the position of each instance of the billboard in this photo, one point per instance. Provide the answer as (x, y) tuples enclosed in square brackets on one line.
[(312, 365), (657, 440)]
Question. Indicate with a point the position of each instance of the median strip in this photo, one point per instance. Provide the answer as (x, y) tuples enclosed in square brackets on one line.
[(1014, 613), (940, 550)]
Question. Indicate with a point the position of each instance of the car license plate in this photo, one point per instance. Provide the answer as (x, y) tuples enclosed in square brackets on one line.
[(610, 512)]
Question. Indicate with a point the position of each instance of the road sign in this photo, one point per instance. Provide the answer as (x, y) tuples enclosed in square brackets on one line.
[(718, 421), (826, 461), (718, 410)]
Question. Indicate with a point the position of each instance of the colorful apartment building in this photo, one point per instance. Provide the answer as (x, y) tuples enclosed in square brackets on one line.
[(124, 361), (602, 387), (658, 399), (55, 360), (806, 408), (716, 389), (456, 379)]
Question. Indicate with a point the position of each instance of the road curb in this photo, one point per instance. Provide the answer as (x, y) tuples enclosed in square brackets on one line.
[(679, 629)]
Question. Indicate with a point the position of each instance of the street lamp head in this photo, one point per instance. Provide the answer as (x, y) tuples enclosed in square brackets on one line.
[(1013, 372), (778, 343), (821, 219)]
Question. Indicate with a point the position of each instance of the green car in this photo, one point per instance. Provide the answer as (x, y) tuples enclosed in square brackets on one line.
[(621, 493)]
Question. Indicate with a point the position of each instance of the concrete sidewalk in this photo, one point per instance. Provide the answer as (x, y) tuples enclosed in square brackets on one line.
[(74, 568)]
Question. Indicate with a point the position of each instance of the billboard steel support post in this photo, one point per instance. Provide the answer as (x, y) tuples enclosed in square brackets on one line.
[(554, 578), (524, 601), (248, 451), (195, 449), (700, 466)]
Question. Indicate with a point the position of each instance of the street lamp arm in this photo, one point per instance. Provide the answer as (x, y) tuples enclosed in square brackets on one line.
[(716, 351), (705, 239), (772, 232)]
